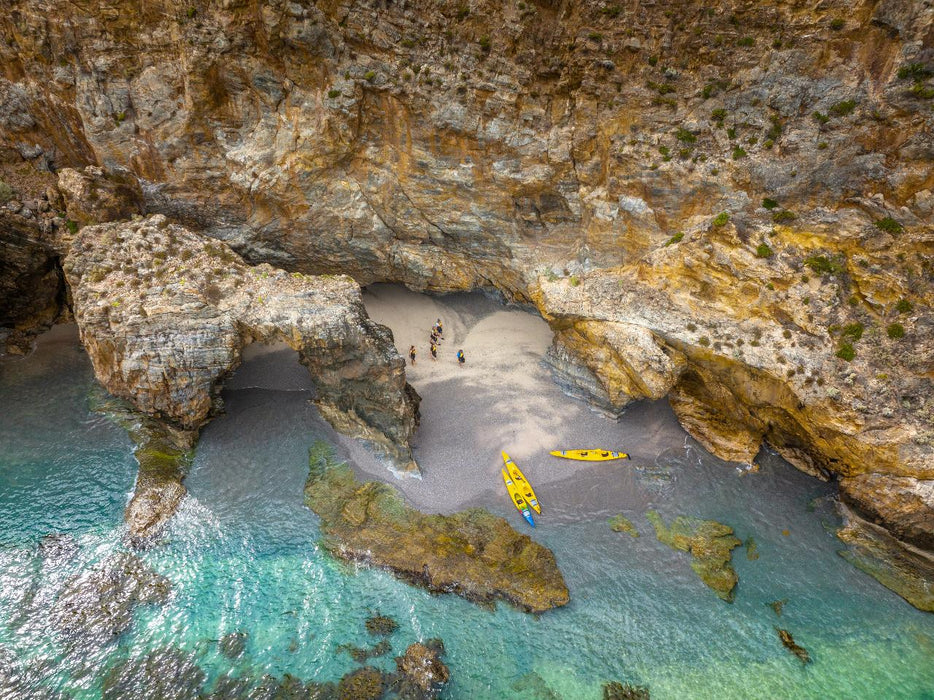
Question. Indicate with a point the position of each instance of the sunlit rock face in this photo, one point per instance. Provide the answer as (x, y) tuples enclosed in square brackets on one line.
[(730, 205), (164, 314)]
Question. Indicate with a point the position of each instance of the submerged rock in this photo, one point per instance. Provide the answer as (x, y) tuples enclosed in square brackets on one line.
[(163, 674), (778, 605), (233, 644), (794, 648), (532, 686), (421, 673), (711, 547), (615, 690), (619, 523), (363, 654), (381, 625), (365, 683), (752, 549), (95, 608), (471, 553)]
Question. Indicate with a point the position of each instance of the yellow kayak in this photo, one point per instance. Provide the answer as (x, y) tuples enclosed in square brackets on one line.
[(589, 455), (517, 498), (521, 483)]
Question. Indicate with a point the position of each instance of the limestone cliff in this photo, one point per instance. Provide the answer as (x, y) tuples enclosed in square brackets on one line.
[(729, 204)]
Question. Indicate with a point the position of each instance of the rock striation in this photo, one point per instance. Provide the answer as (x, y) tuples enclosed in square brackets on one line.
[(471, 553)]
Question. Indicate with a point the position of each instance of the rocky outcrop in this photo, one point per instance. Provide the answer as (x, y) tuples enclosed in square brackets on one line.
[(471, 553), (572, 154), (164, 315), (94, 195), (711, 547)]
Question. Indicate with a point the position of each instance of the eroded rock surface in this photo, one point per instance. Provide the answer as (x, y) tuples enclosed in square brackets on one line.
[(165, 313), (471, 553)]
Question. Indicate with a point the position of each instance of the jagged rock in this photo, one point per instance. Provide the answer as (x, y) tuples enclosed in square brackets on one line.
[(93, 196), (233, 644), (422, 672), (95, 608), (381, 625), (792, 646), (711, 547), (166, 345), (471, 553), (365, 683), (624, 691)]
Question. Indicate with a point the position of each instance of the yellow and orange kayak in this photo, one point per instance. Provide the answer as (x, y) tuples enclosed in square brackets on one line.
[(596, 455), (521, 483)]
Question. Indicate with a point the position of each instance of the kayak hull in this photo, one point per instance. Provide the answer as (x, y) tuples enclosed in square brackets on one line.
[(593, 455), (522, 483), (517, 499)]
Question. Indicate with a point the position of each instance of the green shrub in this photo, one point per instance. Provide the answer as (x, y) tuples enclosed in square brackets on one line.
[(895, 331), (676, 238), (718, 114), (662, 88), (853, 331), (738, 153), (823, 265), (484, 42), (653, 60), (703, 340), (574, 280), (904, 306), (369, 76), (889, 225), (72, 226), (783, 216), (721, 219), (846, 352), (820, 118), (731, 132), (913, 71), (775, 131), (769, 204), (595, 36), (6, 192), (763, 251), (837, 23), (841, 109), (919, 90), (333, 93), (686, 136), (746, 41), (664, 150)]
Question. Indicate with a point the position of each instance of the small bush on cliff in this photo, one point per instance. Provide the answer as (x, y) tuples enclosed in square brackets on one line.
[(837, 24), (686, 136), (904, 306), (763, 251), (721, 219), (895, 331), (853, 331), (485, 43), (846, 352), (820, 118), (913, 71), (333, 93), (738, 153), (675, 239), (72, 226), (574, 280), (841, 109), (769, 204), (718, 115), (889, 225), (746, 42), (783, 216), (823, 265)]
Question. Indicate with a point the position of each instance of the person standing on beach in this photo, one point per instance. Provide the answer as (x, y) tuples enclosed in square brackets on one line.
[(460, 357), (434, 351), (412, 353), (439, 329)]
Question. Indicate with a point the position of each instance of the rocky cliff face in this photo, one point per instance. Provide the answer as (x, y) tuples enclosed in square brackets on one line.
[(730, 205)]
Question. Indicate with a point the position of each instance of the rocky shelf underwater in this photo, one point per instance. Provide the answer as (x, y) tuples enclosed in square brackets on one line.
[(240, 587)]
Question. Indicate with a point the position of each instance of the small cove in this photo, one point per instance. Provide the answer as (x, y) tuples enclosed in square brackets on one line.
[(242, 553)]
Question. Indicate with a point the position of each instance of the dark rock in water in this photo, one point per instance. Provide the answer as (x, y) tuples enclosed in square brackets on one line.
[(421, 673), (615, 690), (777, 606), (752, 549), (233, 644), (365, 683), (711, 545), (95, 608), (532, 686), (471, 553), (58, 547), (790, 644), (23, 681), (363, 654), (163, 674), (381, 625)]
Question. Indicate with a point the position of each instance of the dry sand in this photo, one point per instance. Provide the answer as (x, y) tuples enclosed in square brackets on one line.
[(504, 398)]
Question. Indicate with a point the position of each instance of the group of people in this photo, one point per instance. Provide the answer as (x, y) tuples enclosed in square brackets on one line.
[(437, 335)]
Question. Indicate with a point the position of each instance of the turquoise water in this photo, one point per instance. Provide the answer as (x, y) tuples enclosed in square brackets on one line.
[(242, 556)]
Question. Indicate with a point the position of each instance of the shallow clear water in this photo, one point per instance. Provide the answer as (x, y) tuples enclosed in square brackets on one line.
[(242, 555)]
